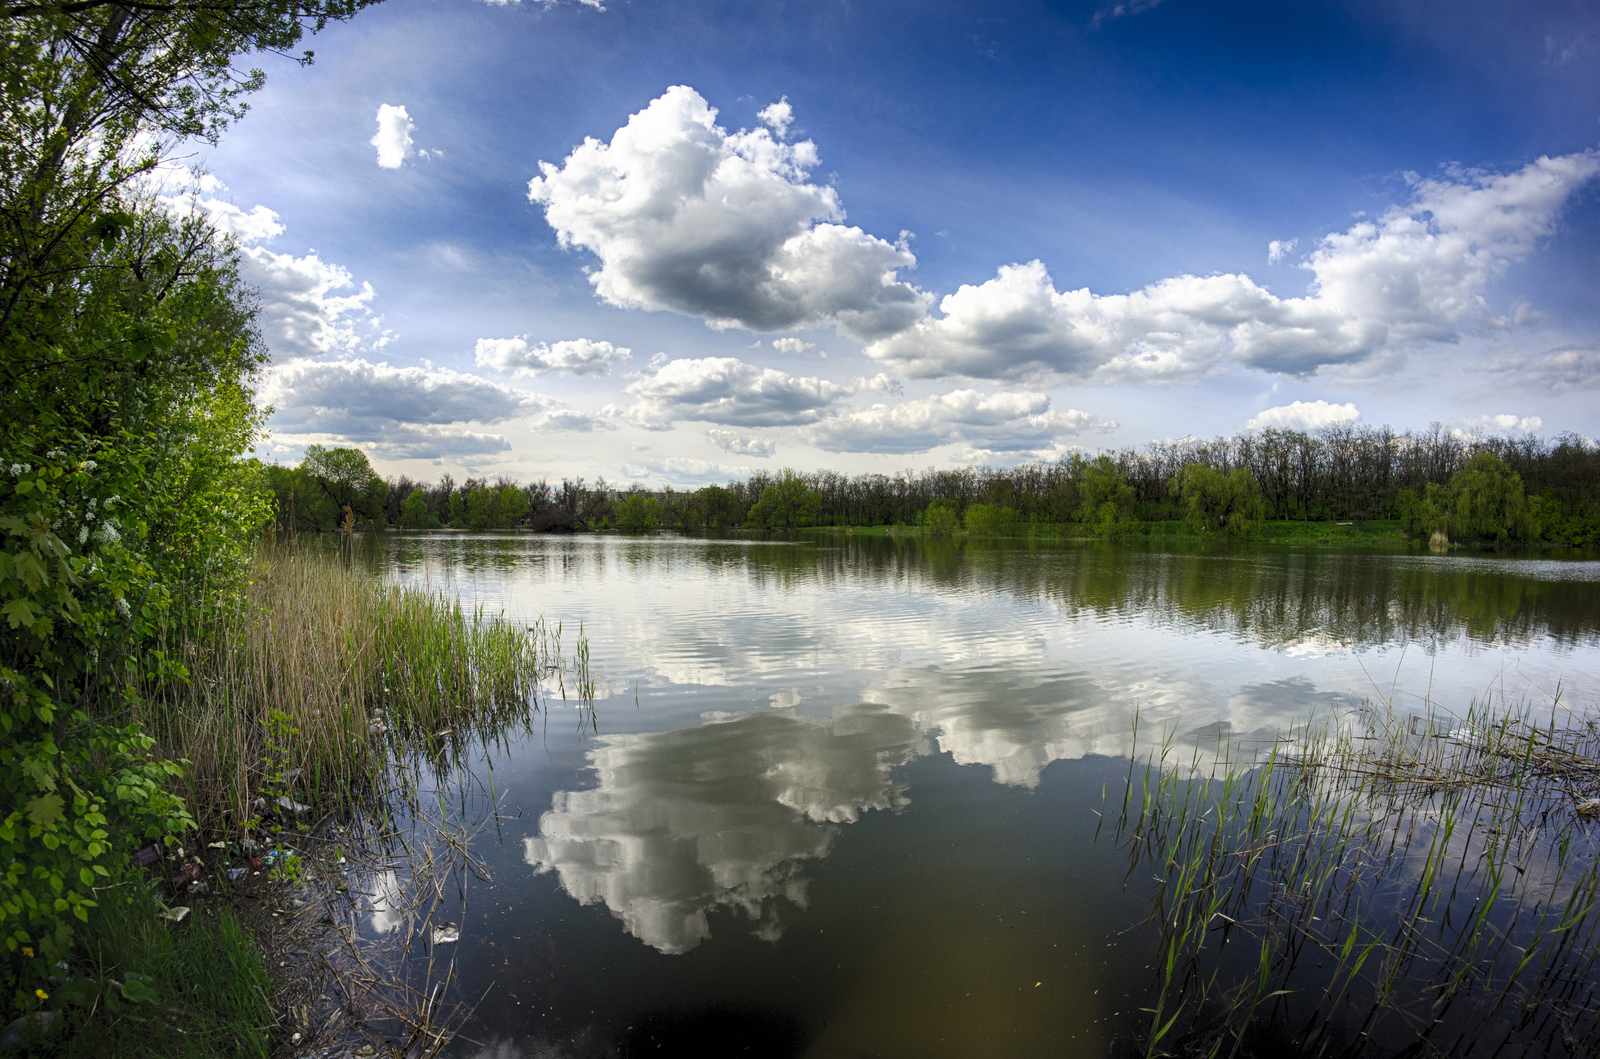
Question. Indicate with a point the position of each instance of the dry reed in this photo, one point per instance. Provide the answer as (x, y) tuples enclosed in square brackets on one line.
[(305, 689)]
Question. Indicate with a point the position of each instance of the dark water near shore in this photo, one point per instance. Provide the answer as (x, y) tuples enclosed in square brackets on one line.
[(838, 795)]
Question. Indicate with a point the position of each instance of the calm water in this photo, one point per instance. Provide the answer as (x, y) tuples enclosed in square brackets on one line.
[(839, 795)]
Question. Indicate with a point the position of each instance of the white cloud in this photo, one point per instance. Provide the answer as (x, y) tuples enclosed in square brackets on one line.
[(408, 412), (685, 216), (393, 138), (682, 471), (778, 116), (993, 423), (738, 444), (1505, 423), (577, 356), (1380, 288), (1557, 371), (301, 316), (731, 392), (1278, 249), (792, 346), (1303, 415)]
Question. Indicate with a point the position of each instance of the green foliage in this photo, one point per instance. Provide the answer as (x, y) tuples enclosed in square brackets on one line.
[(414, 513), (1213, 502), (786, 503), (1105, 498), (141, 986), (638, 513), (989, 520), (941, 519), (1485, 501)]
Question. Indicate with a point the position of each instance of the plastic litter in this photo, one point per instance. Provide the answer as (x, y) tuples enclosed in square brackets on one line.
[(286, 802), (175, 915), (235, 874), (147, 855), (445, 933)]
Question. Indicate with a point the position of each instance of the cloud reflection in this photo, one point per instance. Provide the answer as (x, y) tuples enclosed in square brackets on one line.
[(721, 815)]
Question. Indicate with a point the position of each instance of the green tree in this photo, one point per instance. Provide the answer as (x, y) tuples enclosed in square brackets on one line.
[(786, 503), (988, 520), (941, 519), (1484, 501), (638, 512), (1213, 502), (458, 510), (511, 505), (1105, 501), (719, 507), (414, 513)]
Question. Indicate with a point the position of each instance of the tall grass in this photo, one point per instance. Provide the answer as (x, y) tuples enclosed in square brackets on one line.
[(1421, 885), (303, 689)]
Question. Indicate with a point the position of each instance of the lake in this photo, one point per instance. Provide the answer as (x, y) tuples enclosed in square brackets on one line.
[(838, 795)]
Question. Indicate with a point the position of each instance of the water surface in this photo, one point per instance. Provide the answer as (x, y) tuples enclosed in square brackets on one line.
[(838, 795)]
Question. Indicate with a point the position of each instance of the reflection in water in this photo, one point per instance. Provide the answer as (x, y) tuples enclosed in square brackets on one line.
[(766, 695), (719, 815)]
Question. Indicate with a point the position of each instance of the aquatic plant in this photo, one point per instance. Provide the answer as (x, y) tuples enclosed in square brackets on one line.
[(1426, 881), (322, 647)]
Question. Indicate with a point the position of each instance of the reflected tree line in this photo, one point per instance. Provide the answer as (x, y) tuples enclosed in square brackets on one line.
[(1343, 472)]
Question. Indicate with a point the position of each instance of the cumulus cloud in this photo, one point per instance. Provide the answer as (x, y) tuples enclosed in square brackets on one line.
[(1278, 249), (778, 116), (731, 392), (993, 423), (792, 346), (1414, 275), (688, 217), (393, 138), (407, 411), (577, 356), (742, 444), (305, 311), (1505, 423), (1303, 415)]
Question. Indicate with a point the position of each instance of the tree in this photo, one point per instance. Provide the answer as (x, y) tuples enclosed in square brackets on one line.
[(414, 513), (987, 520), (787, 502), (1105, 497), (638, 512), (1214, 502), (941, 518), (347, 479), (1484, 501)]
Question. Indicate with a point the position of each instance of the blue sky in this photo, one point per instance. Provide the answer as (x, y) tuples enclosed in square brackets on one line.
[(1013, 229)]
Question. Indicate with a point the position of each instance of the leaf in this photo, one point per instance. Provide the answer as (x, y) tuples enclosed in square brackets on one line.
[(45, 810), (140, 988), (19, 612)]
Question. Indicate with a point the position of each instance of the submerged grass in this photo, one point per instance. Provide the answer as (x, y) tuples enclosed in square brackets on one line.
[(301, 690), (1385, 885)]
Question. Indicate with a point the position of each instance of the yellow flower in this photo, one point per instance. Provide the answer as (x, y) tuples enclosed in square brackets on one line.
[(41, 994), (27, 951)]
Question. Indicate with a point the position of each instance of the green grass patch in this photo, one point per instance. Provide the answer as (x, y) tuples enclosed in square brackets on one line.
[(143, 986)]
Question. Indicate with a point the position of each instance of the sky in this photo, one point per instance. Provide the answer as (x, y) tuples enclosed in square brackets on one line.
[(675, 242)]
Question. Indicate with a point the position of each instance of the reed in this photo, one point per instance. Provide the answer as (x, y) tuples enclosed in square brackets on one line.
[(1418, 884), (306, 689)]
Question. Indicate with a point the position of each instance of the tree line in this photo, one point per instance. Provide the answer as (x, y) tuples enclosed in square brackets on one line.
[(1437, 479)]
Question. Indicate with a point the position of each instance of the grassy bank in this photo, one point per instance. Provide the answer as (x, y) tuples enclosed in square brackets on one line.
[(301, 700), (1387, 883), (1373, 532), (297, 692)]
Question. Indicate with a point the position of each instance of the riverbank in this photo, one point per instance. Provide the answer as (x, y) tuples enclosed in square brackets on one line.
[(1368, 533)]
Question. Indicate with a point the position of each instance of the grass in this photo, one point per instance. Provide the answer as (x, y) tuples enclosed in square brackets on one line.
[(303, 690), (1426, 883), (144, 987)]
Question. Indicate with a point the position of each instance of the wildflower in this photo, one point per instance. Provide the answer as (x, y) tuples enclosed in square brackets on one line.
[(20, 469), (89, 465), (107, 533), (83, 534), (92, 502), (41, 994), (27, 950), (122, 607)]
